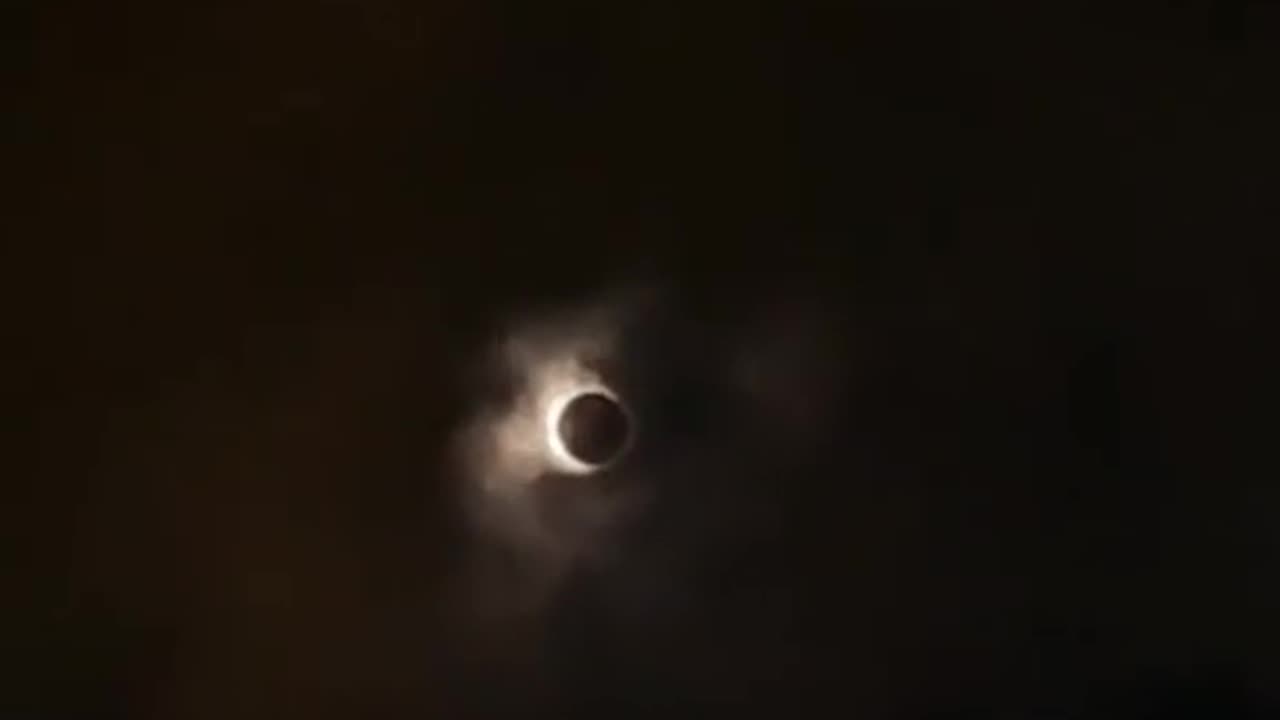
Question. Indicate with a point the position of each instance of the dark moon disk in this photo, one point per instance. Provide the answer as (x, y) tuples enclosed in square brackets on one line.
[(594, 428)]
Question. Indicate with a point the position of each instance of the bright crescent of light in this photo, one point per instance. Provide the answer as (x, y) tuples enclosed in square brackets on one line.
[(560, 457)]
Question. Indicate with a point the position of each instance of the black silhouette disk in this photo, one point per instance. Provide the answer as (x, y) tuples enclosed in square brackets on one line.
[(594, 428)]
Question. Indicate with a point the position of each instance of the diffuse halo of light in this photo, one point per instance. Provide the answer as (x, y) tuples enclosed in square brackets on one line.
[(507, 450)]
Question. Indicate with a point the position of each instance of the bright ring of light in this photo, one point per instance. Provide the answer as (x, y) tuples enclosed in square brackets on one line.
[(561, 457)]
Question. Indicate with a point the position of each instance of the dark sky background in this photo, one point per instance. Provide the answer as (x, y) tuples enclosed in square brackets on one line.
[(1012, 259)]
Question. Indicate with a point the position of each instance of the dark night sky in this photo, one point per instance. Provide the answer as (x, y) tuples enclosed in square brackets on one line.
[(1010, 260)]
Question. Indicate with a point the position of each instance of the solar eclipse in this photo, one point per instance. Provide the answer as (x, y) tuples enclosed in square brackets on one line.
[(587, 429)]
